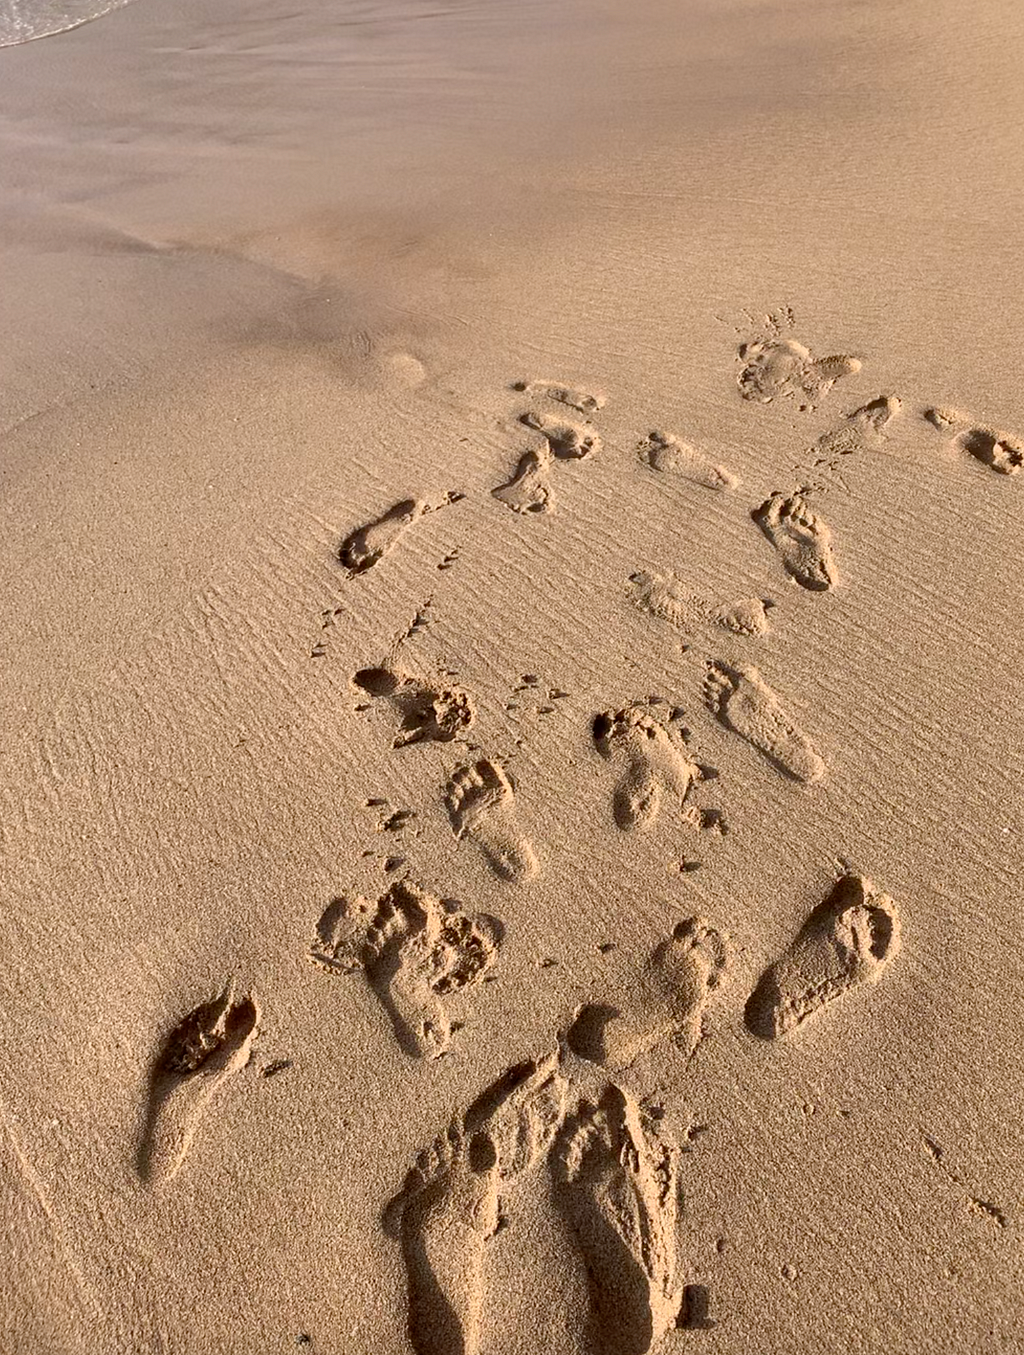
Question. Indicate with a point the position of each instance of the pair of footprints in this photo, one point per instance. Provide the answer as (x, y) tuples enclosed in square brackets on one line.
[(614, 1170)]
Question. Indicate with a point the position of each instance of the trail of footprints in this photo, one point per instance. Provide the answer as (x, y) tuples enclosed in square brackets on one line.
[(613, 1168)]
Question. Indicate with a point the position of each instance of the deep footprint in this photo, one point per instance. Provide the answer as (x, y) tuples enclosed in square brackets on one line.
[(745, 703), (586, 402), (668, 454), (529, 490), (415, 950), (429, 712), (568, 441), (205, 1049), (617, 1180), (802, 539), (999, 451), (652, 761), (668, 1003), (480, 800), (848, 941), (455, 1197)]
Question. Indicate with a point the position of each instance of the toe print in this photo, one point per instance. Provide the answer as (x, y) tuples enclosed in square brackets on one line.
[(745, 703)]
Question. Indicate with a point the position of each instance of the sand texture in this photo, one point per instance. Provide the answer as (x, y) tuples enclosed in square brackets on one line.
[(512, 783)]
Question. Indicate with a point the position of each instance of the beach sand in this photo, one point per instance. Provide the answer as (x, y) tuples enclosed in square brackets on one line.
[(512, 777)]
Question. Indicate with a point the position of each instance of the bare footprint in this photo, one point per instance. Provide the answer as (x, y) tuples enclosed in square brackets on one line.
[(652, 761), (667, 1004), (802, 539), (863, 429), (568, 441), (847, 941), (586, 402), (745, 703), (529, 490), (481, 805), (429, 712), (999, 451), (364, 547), (773, 366), (211, 1044), (666, 453), (415, 950), (452, 1202), (617, 1180), (667, 597)]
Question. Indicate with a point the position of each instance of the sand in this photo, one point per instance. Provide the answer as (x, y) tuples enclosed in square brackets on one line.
[(512, 766)]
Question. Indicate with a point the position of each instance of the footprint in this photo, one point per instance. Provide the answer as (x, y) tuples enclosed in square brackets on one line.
[(452, 1202), (430, 712), (568, 441), (803, 540), (362, 548), (862, 429), (652, 761), (587, 402), (847, 941), (774, 366), (999, 451), (667, 453), (415, 950), (745, 703), (665, 596), (668, 1003), (481, 805), (213, 1042), (529, 490), (617, 1180)]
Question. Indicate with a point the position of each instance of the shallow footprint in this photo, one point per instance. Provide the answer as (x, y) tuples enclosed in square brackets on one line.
[(211, 1044), (774, 367), (587, 402), (669, 1001), (430, 712), (480, 801), (665, 596), (802, 539), (666, 453), (529, 490), (864, 428), (364, 547), (568, 441), (999, 451), (652, 759), (847, 941), (617, 1180), (745, 703), (452, 1201), (415, 949)]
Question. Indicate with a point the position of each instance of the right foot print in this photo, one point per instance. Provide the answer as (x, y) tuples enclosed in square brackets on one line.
[(481, 806), (652, 761), (774, 367), (999, 451), (453, 1201), (569, 441), (669, 1003), (362, 548), (587, 402), (529, 490), (429, 712), (803, 541), (745, 703), (200, 1054), (847, 941), (664, 596), (665, 452), (415, 950), (618, 1183)]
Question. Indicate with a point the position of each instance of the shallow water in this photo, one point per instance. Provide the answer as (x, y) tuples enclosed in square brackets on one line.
[(23, 20)]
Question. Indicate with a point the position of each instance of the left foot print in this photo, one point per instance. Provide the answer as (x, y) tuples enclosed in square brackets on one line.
[(652, 759), (429, 712), (803, 540), (481, 806)]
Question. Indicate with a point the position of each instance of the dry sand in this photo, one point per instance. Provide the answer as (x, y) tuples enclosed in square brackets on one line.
[(512, 777)]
